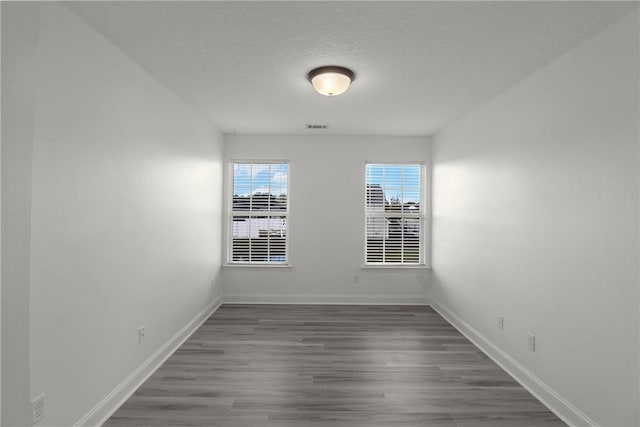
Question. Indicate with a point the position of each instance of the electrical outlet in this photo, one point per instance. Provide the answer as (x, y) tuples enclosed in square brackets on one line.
[(532, 342), (140, 334), (500, 322), (37, 408)]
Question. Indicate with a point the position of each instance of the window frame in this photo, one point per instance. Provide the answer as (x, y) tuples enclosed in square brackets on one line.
[(422, 215), (229, 262)]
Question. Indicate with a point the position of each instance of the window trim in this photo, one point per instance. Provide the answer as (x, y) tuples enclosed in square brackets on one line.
[(228, 249), (425, 204)]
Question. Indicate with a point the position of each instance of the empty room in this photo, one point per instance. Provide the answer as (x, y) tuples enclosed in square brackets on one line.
[(316, 213)]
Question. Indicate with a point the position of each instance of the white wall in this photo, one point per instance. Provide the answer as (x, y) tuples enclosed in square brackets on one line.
[(536, 217), (19, 41), (126, 204), (326, 244)]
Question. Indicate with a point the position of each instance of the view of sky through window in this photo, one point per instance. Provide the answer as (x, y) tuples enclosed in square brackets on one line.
[(400, 182), (260, 178)]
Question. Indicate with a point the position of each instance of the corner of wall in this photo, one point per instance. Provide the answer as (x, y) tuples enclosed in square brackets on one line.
[(20, 32)]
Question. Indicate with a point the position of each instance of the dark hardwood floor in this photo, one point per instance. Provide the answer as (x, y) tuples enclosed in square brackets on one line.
[(330, 365)]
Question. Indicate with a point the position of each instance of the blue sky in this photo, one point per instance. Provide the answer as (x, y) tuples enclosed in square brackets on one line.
[(266, 177), (400, 181)]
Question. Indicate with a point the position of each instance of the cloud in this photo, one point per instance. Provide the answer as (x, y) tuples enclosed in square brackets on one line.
[(259, 168), (279, 178)]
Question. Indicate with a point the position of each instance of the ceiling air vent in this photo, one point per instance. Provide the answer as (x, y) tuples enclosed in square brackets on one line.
[(316, 126)]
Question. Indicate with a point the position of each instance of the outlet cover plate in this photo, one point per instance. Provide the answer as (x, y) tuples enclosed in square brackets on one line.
[(37, 406), (532, 342)]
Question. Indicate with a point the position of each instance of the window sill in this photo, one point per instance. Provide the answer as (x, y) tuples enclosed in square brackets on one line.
[(395, 267), (256, 265)]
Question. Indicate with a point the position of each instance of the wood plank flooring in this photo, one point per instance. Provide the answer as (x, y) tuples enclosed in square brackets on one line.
[(330, 365)]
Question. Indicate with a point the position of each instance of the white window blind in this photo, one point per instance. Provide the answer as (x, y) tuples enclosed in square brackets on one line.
[(394, 214), (259, 213)]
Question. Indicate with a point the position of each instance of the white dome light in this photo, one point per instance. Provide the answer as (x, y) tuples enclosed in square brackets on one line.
[(331, 80)]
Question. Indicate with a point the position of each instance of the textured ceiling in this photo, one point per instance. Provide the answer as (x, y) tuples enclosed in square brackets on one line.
[(419, 65)]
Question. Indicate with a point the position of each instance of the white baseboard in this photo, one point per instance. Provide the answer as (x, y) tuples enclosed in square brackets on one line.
[(327, 299), (549, 397), (105, 408)]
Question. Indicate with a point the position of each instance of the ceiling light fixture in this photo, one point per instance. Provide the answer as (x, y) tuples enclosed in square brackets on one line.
[(331, 80)]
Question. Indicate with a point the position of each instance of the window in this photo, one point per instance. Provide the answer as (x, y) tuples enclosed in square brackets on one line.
[(259, 213), (394, 214)]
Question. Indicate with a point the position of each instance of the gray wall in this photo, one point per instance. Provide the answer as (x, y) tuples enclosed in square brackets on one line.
[(327, 221), (19, 47), (116, 217), (535, 207)]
